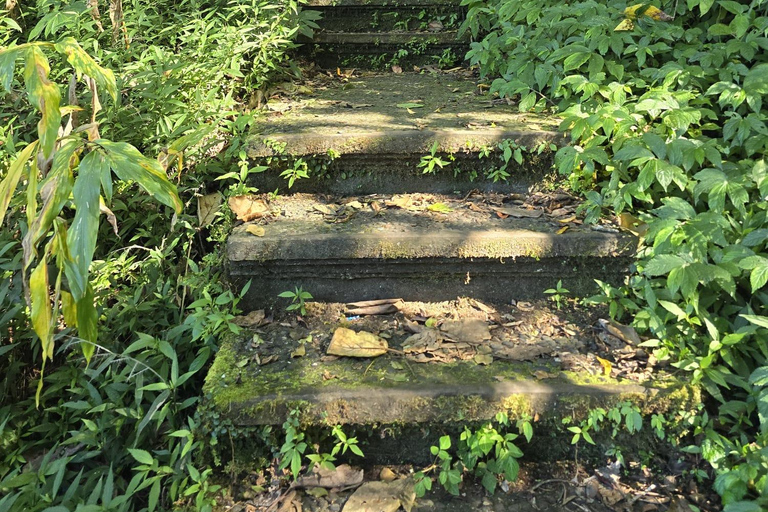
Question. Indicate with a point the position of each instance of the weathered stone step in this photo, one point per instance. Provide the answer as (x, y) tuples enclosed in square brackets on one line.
[(369, 124), (384, 16), (383, 50), (423, 247), (528, 361)]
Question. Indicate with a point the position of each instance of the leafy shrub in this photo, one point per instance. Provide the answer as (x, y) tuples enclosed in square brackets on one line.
[(668, 125)]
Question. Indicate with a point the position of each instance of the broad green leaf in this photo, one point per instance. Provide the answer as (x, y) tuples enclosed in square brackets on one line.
[(126, 161), (41, 308), (575, 60), (11, 180), (82, 235), (141, 456), (663, 264), (84, 63), (45, 96)]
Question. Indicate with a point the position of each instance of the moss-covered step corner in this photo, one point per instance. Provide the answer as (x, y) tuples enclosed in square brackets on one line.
[(369, 132)]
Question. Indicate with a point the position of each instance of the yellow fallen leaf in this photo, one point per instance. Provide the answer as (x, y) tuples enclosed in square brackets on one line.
[(633, 224), (633, 12), (625, 26), (562, 230), (255, 230), (247, 208), (300, 351), (567, 219), (346, 342), (607, 366)]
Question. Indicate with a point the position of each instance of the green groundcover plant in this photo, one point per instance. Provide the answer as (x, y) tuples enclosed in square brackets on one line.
[(667, 117)]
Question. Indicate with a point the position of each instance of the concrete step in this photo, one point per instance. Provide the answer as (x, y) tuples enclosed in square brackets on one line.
[(377, 138), (537, 363), (424, 247), (379, 34), (386, 16), (383, 50)]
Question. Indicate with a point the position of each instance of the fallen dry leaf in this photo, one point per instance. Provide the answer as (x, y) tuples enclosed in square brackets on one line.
[(387, 475), (207, 208), (252, 319), (624, 332), (470, 331), (343, 477), (255, 230), (346, 342), (382, 497), (516, 211), (300, 351), (248, 208), (397, 69)]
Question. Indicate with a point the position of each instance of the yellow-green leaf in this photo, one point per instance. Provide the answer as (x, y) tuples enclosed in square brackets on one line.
[(55, 191), (84, 63), (68, 309), (15, 172), (81, 237), (8, 58), (126, 161), (44, 95), (41, 308)]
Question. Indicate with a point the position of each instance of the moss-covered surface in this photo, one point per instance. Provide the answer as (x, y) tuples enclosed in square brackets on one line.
[(391, 390)]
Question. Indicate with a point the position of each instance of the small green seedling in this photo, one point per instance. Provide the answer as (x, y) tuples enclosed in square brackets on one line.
[(431, 162), (558, 294), (298, 297)]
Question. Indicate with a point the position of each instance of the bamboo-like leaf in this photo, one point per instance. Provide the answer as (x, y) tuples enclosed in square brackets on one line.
[(81, 237), (41, 307), (68, 309), (126, 161), (55, 191), (11, 181), (8, 58), (44, 95), (87, 323), (84, 63)]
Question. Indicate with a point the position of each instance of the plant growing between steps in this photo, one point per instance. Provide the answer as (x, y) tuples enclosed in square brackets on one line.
[(558, 294), (488, 453), (298, 296)]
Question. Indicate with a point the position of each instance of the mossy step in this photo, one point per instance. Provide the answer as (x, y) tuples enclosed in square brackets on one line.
[(259, 376), (377, 137), (420, 247)]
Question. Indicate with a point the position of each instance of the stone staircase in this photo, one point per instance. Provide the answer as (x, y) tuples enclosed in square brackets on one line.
[(382, 33), (468, 256)]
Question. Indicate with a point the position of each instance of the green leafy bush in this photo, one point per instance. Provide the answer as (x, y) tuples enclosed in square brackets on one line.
[(668, 124)]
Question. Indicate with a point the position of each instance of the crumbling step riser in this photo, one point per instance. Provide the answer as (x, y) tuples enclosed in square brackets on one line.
[(397, 173), (378, 18), (425, 279)]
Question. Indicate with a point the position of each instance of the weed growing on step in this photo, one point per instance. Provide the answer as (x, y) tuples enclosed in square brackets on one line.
[(297, 443), (488, 453), (558, 294), (430, 163), (298, 296)]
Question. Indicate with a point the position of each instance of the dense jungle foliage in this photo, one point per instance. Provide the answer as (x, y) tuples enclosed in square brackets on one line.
[(668, 123), (119, 433), (667, 119)]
